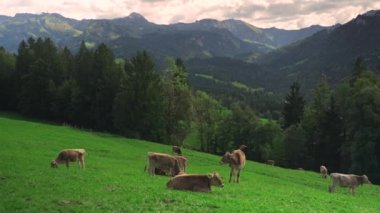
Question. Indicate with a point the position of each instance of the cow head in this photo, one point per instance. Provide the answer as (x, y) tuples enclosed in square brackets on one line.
[(216, 180), (177, 150), (365, 179), (226, 158), (54, 164), (242, 147)]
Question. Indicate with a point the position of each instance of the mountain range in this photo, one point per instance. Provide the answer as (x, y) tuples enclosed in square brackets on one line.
[(218, 51), (201, 39), (331, 52)]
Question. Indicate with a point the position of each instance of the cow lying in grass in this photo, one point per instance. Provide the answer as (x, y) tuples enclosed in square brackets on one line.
[(192, 182), (347, 180), (163, 163), (69, 155), (323, 171), (236, 160)]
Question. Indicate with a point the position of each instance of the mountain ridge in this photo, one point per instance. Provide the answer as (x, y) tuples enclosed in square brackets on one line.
[(70, 32)]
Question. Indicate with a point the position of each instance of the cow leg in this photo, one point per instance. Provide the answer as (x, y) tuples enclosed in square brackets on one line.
[(82, 163), (238, 176), (67, 163), (352, 190), (151, 170), (332, 188), (231, 175)]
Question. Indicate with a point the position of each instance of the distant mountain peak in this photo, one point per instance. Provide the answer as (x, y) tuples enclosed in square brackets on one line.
[(372, 13), (136, 17)]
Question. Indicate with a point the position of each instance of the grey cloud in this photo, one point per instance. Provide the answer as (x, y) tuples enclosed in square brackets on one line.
[(245, 11), (299, 7)]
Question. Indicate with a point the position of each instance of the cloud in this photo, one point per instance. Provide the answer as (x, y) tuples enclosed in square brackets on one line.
[(288, 14)]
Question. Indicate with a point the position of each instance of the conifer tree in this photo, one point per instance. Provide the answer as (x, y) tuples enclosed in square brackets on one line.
[(293, 106)]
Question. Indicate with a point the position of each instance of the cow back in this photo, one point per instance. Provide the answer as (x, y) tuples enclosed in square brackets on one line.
[(239, 157)]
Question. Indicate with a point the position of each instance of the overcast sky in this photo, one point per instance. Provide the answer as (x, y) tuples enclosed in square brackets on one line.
[(286, 14)]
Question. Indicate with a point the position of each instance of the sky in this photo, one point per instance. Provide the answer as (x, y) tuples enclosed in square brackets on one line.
[(285, 14)]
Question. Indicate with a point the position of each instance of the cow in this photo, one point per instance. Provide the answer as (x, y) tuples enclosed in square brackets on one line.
[(347, 180), (194, 182), (177, 150), (182, 163), (323, 171), (270, 162), (236, 160), (69, 155), (167, 163), (242, 147)]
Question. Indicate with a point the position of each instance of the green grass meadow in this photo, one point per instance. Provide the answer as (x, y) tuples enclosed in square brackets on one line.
[(114, 179)]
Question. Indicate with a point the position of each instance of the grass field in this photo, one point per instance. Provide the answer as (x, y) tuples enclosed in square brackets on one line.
[(114, 180)]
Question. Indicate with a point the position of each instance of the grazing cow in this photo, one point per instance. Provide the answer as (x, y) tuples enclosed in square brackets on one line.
[(177, 150), (164, 162), (236, 160), (347, 180), (242, 147), (199, 183), (182, 162), (323, 171), (69, 155), (270, 162)]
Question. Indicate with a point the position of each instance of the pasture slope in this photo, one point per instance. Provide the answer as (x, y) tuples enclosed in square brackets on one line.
[(114, 180)]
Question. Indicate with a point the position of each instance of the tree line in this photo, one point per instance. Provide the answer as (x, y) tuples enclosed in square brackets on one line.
[(339, 127)]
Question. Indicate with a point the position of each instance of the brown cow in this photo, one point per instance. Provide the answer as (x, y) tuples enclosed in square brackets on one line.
[(323, 171), (164, 162), (199, 183), (182, 163), (236, 160), (69, 155), (177, 150), (270, 162), (347, 180), (242, 147)]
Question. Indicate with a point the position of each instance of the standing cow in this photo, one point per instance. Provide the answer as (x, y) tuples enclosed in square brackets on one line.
[(347, 180), (177, 150), (164, 162), (323, 171), (182, 162), (270, 162), (69, 155), (236, 160)]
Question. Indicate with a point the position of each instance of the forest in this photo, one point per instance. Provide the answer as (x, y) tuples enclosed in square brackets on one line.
[(336, 126)]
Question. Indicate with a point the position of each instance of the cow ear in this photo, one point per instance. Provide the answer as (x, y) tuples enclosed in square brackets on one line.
[(209, 176)]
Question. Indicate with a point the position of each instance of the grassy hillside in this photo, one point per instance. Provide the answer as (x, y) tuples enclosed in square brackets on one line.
[(114, 179)]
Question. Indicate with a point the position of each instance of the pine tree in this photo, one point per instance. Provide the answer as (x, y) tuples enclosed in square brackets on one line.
[(178, 108), (139, 105), (293, 106)]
